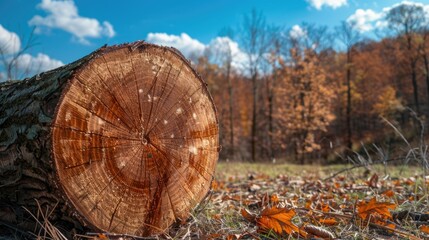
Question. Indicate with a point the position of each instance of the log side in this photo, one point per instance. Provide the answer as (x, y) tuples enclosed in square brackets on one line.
[(124, 140), (26, 170)]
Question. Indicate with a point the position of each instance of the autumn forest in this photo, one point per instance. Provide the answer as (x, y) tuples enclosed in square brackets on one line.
[(321, 94)]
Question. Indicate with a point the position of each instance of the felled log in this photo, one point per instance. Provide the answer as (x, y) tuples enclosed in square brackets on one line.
[(124, 140)]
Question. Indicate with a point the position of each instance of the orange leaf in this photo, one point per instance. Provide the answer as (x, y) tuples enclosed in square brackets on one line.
[(278, 220), (102, 236), (324, 207), (424, 229), (388, 193), (391, 226), (231, 237), (328, 221), (308, 204), (375, 209), (274, 199), (247, 215)]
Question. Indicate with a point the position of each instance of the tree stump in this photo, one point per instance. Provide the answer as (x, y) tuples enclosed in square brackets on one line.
[(124, 140)]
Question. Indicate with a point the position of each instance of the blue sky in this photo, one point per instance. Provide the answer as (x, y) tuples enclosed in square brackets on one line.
[(66, 31)]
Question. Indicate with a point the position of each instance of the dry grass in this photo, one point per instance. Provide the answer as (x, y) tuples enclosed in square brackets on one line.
[(244, 185), (306, 189)]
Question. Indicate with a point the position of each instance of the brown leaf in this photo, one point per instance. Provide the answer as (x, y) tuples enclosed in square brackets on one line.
[(372, 182), (319, 232), (375, 209), (214, 236), (277, 220)]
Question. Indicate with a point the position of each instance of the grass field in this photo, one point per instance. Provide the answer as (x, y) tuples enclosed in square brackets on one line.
[(285, 201)]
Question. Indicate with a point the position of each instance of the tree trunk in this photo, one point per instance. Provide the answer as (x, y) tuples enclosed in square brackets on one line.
[(415, 86), (270, 126), (231, 112), (254, 112), (124, 140), (349, 102), (426, 64), (413, 65)]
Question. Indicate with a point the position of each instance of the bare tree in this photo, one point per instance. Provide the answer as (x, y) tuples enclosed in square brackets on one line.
[(225, 58), (10, 59), (314, 37), (275, 59), (406, 20), (424, 53), (254, 42), (348, 36)]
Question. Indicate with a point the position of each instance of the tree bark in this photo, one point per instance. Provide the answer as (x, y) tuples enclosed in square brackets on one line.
[(254, 113), (349, 102), (124, 140), (231, 111), (413, 66), (426, 65)]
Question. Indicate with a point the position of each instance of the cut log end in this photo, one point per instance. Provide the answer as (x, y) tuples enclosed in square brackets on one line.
[(135, 139)]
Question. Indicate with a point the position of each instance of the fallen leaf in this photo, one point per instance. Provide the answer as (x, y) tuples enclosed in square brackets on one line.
[(319, 232), (102, 236), (278, 220), (389, 193), (217, 217), (373, 181), (274, 199), (424, 229), (248, 216), (214, 236), (328, 221), (323, 207), (308, 204), (375, 209)]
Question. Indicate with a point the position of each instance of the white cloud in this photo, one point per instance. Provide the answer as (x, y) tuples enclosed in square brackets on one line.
[(187, 45), (367, 20), (218, 49), (40, 63), (64, 15), (318, 4), (224, 47), (297, 32), (364, 20), (9, 41), (409, 3)]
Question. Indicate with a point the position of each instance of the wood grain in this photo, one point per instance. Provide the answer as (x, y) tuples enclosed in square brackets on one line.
[(135, 139)]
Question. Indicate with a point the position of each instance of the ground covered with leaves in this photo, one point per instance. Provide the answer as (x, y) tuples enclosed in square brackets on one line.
[(278, 201)]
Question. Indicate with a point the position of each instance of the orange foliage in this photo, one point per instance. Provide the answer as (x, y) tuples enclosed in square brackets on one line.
[(424, 229), (328, 221), (278, 220), (274, 219), (372, 208)]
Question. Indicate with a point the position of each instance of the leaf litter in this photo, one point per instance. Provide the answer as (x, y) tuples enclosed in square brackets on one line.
[(352, 205), (347, 206)]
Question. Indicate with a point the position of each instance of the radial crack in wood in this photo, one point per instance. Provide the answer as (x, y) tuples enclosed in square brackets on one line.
[(133, 138)]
